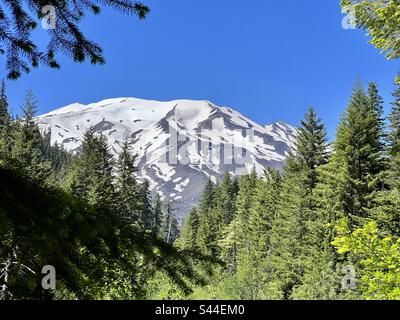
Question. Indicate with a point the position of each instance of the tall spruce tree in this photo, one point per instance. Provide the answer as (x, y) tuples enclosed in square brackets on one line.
[(291, 241), (91, 176), (387, 211), (157, 215), (26, 155), (252, 266), (188, 233), (127, 187), (5, 125), (170, 226), (394, 138), (358, 157), (207, 233), (235, 236), (225, 202), (146, 206), (4, 113)]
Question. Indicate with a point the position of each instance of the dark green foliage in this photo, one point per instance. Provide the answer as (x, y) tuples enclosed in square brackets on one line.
[(157, 216), (53, 227), (128, 203), (146, 218), (56, 155), (207, 233), (5, 124), (85, 216), (91, 175), (189, 232), (394, 138), (25, 154), (254, 237), (225, 196), (297, 212), (20, 50), (359, 156), (311, 147), (4, 113), (170, 226)]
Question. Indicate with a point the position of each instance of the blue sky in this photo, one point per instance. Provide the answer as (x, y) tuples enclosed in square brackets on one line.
[(268, 59)]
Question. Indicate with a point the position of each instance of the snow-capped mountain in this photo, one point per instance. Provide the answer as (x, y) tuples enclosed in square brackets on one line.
[(180, 144)]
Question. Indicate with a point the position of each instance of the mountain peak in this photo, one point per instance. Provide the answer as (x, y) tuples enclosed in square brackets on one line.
[(179, 143)]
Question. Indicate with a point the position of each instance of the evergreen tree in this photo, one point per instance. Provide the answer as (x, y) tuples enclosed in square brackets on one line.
[(55, 154), (296, 216), (358, 158), (252, 269), (207, 233), (188, 233), (311, 146), (394, 138), (376, 107), (170, 226), (127, 187), (26, 155), (91, 175), (4, 113), (146, 208), (235, 236), (157, 215), (387, 204), (225, 202), (5, 125)]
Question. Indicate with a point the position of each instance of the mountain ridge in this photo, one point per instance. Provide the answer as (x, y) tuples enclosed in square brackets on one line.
[(180, 143)]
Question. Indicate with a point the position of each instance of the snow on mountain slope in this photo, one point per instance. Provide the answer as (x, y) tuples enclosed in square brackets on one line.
[(180, 144)]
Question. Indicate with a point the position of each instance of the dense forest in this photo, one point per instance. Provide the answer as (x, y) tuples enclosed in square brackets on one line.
[(326, 227), (83, 214)]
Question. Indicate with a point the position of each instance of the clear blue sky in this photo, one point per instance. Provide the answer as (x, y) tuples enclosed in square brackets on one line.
[(268, 59)]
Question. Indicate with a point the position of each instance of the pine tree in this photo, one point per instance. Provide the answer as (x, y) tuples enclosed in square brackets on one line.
[(5, 125), (146, 208), (235, 236), (225, 202), (25, 155), (91, 176), (394, 138), (4, 113), (311, 146), (127, 187), (29, 110), (207, 234), (359, 157), (170, 226), (352, 180), (59, 158), (189, 230), (387, 210), (251, 275), (291, 236), (157, 216), (376, 107)]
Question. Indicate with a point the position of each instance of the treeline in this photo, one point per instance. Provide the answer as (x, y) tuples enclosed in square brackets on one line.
[(327, 227), (85, 215)]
